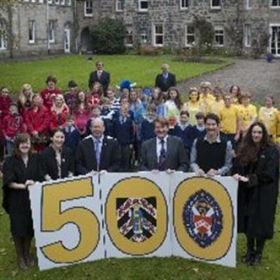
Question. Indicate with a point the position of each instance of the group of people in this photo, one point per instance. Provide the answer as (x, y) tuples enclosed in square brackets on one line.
[(52, 135)]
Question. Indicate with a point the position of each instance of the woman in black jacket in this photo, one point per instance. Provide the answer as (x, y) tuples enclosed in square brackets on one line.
[(257, 170), (57, 160), (21, 171)]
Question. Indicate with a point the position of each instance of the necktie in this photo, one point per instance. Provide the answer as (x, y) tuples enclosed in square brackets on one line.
[(162, 157), (98, 151)]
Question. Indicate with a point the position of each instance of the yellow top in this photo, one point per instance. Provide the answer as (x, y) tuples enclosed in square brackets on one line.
[(216, 107), (247, 115), (193, 108), (278, 124), (205, 102), (269, 117), (229, 119)]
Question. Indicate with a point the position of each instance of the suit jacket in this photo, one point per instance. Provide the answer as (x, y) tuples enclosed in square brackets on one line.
[(49, 163), (165, 84), (176, 155), (86, 159), (104, 79)]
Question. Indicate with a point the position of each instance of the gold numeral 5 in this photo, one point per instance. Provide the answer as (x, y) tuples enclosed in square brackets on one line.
[(53, 219)]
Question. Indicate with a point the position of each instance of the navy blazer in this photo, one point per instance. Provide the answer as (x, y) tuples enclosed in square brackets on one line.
[(165, 84), (86, 159), (104, 79)]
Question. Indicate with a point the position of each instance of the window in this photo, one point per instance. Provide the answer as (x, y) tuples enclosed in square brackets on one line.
[(215, 4), (129, 37), (143, 5), (190, 36), (50, 1), (88, 8), (57, 2), (119, 5), (248, 4), (184, 4), (248, 35), (41, 1), (144, 38), (275, 3), (68, 2), (51, 31), (158, 35), (62, 2), (219, 36), (3, 37), (31, 32)]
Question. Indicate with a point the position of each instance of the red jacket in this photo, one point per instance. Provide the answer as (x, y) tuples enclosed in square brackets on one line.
[(12, 125), (37, 120), (46, 96), (58, 120), (5, 103)]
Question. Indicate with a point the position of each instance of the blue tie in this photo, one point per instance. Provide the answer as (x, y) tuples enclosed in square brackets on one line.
[(97, 151)]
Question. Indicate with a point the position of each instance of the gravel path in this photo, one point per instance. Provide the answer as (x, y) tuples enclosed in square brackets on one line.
[(257, 76)]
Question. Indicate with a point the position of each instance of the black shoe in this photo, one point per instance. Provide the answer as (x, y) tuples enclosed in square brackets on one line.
[(249, 257), (256, 260)]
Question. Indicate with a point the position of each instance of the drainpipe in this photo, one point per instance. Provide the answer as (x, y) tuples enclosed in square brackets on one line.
[(47, 24)]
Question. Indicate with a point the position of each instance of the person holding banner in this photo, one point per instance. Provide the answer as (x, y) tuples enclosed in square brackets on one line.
[(211, 155), (97, 152), (163, 152), (257, 170), (21, 171), (57, 160)]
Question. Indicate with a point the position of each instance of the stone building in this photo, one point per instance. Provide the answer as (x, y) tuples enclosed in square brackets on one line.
[(36, 27), (241, 26)]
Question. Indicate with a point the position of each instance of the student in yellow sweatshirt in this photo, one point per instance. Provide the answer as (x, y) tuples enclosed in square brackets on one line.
[(247, 113), (268, 115), (229, 121), (218, 104), (193, 105), (205, 97)]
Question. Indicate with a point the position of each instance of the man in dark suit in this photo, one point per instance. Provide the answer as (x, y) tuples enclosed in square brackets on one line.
[(98, 153), (165, 80), (99, 76), (163, 152)]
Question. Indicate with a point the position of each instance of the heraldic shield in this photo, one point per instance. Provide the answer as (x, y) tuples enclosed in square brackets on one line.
[(137, 218), (203, 218)]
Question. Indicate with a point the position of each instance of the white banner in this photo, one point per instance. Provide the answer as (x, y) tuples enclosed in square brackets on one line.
[(67, 221), (204, 218), (135, 214)]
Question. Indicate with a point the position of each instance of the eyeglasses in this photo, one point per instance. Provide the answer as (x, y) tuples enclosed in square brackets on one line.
[(5, 91)]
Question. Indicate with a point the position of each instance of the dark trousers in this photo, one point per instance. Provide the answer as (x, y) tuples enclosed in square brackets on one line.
[(125, 161), (255, 244)]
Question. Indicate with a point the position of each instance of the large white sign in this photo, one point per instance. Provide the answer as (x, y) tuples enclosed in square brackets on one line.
[(135, 214)]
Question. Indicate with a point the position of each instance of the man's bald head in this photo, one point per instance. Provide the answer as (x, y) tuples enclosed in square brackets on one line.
[(97, 127)]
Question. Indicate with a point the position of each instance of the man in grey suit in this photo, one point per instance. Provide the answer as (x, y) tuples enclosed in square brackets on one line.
[(163, 152)]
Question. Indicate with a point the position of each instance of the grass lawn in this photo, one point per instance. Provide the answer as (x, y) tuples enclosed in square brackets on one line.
[(139, 69), (140, 268)]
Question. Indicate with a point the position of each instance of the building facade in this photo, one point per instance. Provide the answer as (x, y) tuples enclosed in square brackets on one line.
[(64, 26)]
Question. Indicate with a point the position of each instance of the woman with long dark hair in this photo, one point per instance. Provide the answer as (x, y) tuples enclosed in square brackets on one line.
[(257, 170), (21, 171), (57, 160)]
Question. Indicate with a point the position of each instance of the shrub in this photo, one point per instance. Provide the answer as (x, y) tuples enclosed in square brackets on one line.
[(148, 50), (108, 36)]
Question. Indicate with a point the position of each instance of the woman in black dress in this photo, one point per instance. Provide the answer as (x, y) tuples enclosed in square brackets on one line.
[(21, 171), (257, 170), (57, 160)]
